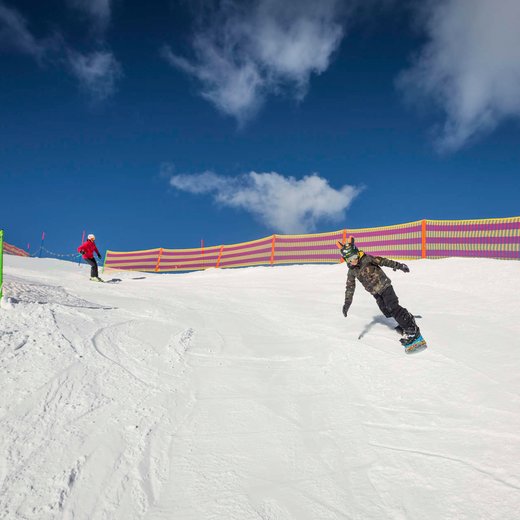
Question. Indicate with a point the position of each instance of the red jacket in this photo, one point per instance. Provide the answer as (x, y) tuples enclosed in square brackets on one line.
[(88, 249)]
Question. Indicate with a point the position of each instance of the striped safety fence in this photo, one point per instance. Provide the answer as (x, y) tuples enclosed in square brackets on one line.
[(490, 238), (13, 250)]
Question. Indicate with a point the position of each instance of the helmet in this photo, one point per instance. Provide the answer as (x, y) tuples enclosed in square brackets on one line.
[(91, 237), (349, 250), (350, 253)]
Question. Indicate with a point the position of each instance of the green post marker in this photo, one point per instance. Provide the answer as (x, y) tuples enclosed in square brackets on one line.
[(1, 260)]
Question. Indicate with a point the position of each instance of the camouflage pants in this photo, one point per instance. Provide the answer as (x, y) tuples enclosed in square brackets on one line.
[(388, 302)]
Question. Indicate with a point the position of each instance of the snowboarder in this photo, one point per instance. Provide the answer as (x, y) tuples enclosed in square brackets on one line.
[(87, 250), (367, 269)]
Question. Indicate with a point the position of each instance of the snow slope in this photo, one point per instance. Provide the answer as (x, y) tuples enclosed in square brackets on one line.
[(245, 394)]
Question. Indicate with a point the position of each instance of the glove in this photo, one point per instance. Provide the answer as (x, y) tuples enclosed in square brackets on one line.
[(82, 252), (402, 267), (99, 256), (345, 309)]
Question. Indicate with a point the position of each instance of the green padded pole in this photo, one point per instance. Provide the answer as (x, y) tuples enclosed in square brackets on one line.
[(1, 260)]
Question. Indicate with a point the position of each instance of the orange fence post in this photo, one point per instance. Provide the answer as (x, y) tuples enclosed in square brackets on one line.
[(339, 245), (344, 241), (272, 249), (159, 260), (423, 239), (219, 256)]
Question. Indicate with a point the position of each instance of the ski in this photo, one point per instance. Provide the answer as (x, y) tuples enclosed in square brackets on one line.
[(112, 280)]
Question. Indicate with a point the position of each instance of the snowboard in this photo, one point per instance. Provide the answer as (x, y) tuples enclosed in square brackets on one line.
[(417, 345)]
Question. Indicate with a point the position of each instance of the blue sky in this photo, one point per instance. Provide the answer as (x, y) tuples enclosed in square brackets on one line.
[(165, 124)]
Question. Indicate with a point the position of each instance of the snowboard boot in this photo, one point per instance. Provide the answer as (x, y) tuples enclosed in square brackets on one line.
[(96, 279), (412, 341), (410, 335)]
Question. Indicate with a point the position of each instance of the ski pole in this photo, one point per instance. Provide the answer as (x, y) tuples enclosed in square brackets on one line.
[(82, 240), (41, 245)]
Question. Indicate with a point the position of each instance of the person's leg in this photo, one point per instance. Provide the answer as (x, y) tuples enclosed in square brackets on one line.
[(382, 306), (404, 318), (93, 267)]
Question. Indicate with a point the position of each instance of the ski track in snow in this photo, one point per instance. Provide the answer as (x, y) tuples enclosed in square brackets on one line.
[(244, 395), (64, 404)]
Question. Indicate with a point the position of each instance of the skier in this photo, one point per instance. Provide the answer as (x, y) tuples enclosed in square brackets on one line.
[(87, 249), (367, 269)]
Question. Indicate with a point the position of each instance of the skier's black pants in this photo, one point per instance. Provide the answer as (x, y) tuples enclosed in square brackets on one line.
[(93, 267), (388, 302)]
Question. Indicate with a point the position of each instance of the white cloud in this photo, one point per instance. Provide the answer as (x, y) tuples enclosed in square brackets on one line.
[(205, 182), (97, 72), (470, 66), (15, 34), (283, 204), (246, 50), (99, 11)]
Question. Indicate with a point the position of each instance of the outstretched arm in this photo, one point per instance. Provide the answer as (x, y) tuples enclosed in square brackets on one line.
[(349, 292), (386, 262)]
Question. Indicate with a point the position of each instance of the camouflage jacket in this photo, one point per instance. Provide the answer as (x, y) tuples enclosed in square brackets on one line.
[(370, 274)]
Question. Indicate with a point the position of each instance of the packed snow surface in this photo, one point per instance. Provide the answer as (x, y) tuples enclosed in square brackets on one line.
[(246, 395)]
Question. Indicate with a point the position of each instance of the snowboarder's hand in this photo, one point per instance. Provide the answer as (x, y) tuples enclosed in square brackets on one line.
[(99, 256), (345, 309), (402, 267)]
